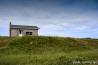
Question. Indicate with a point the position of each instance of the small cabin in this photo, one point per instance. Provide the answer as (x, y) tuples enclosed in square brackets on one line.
[(23, 30)]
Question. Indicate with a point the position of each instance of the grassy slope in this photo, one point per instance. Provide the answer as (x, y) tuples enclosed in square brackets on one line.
[(47, 51)]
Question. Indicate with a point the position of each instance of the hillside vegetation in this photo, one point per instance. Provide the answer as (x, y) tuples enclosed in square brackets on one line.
[(44, 50)]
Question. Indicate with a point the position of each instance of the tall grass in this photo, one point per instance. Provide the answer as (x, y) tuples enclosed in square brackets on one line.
[(45, 50)]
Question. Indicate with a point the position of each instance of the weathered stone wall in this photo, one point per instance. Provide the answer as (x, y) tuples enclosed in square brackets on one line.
[(15, 32)]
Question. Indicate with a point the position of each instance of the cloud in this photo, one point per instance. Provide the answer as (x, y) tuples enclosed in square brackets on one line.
[(0, 20), (55, 17)]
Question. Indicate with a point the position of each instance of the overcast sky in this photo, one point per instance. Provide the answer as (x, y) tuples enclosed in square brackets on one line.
[(68, 18)]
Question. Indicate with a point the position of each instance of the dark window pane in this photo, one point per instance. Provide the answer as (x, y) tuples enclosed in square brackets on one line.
[(28, 33)]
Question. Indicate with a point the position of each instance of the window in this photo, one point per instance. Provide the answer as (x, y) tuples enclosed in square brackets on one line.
[(28, 33)]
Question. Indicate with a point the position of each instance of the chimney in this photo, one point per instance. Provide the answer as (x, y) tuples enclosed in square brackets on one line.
[(10, 29)]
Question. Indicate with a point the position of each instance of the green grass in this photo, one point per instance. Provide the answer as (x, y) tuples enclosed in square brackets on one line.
[(45, 50)]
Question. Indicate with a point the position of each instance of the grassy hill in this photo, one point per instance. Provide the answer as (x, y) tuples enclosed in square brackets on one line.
[(44, 50)]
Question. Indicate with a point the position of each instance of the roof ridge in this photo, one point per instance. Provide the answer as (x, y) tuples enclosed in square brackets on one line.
[(22, 25)]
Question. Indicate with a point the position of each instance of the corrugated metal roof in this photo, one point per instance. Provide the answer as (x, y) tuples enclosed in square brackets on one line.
[(24, 27)]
